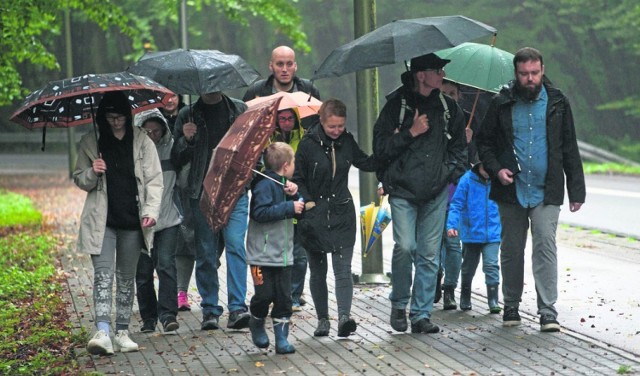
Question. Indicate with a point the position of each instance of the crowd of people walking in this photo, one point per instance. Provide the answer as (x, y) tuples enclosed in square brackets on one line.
[(144, 181)]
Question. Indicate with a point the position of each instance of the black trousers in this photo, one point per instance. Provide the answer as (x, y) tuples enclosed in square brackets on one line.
[(272, 284)]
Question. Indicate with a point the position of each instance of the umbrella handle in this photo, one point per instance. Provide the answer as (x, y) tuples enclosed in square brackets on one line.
[(44, 135), (473, 109)]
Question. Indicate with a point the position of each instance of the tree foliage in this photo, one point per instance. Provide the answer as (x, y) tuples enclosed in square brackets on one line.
[(27, 26)]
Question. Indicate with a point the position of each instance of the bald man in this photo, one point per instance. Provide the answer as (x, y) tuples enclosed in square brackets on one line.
[(283, 69)]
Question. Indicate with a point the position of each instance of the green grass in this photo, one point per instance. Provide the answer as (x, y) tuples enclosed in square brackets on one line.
[(610, 168), (36, 336), (624, 369), (17, 210)]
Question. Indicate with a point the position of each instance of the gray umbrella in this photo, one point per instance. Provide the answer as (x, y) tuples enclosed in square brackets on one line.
[(400, 41), (195, 71)]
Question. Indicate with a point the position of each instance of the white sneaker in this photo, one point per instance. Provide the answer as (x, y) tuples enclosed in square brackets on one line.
[(123, 343), (100, 344)]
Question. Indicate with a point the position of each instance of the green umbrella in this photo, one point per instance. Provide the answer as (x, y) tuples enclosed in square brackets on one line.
[(480, 66)]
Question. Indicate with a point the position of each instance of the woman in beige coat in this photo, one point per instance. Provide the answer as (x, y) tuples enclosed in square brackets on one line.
[(117, 222)]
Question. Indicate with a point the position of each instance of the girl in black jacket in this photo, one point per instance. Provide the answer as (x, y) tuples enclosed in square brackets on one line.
[(323, 160)]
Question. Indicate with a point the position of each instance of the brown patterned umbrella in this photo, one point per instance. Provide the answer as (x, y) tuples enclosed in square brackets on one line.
[(233, 160)]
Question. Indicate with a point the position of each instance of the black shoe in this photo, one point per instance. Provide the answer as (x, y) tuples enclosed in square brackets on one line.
[(210, 322), (238, 320), (346, 326), (510, 317), (302, 301), (424, 326), (548, 323), (449, 299), (323, 328), (398, 320), (148, 326), (170, 324)]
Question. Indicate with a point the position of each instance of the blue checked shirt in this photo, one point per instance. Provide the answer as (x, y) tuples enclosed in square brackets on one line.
[(530, 141)]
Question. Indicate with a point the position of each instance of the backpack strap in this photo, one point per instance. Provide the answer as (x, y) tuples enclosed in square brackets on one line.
[(446, 116)]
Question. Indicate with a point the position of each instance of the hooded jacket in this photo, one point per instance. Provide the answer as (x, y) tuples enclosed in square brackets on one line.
[(495, 137), (418, 168), (270, 231), (148, 173), (330, 225), (472, 213), (169, 213), (196, 151)]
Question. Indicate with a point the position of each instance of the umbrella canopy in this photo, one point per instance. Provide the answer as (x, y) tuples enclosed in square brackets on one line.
[(196, 71), (303, 103), (233, 160), (400, 41), (480, 66), (73, 101)]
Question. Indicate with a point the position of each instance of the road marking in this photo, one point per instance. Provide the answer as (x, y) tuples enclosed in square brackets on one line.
[(612, 192)]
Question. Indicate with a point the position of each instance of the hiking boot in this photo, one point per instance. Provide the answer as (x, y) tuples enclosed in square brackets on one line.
[(449, 298), (346, 326), (548, 323), (210, 322), (183, 301), (424, 326), (170, 324), (100, 344), (398, 320), (510, 317), (148, 326), (323, 328), (238, 320), (123, 343)]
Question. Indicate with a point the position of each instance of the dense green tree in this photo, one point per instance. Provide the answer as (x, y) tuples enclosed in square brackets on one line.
[(29, 27)]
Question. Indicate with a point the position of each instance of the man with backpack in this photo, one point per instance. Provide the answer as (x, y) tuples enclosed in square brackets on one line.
[(420, 139)]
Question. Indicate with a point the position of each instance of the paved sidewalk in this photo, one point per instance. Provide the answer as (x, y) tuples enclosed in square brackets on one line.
[(470, 343)]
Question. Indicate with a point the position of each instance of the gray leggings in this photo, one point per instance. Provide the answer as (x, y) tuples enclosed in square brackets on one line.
[(318, 281), (120, 248)]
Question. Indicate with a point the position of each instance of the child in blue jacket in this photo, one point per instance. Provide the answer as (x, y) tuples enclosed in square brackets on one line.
[(270, 245), (475, 219)]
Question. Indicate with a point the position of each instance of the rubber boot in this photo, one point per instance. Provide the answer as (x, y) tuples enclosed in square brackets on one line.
[(492, 298), (449, 299), (258, 334), (465, 297), (281, 331), (438, 286)]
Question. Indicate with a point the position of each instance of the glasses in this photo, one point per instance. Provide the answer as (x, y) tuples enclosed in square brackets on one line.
[(283, 119), (116, 119)]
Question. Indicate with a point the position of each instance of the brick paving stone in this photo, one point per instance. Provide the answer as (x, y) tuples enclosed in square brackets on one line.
[(470, 342)]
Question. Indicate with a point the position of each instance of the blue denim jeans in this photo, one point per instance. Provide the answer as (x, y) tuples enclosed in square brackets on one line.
[(452, 253), (207, 258), (417, 233), (163, 261), (490, 266), (299, 269)]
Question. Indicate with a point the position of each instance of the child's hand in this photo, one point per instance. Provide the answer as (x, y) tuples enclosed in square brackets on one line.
[(452, 232), (290, 188), (298, 207)]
